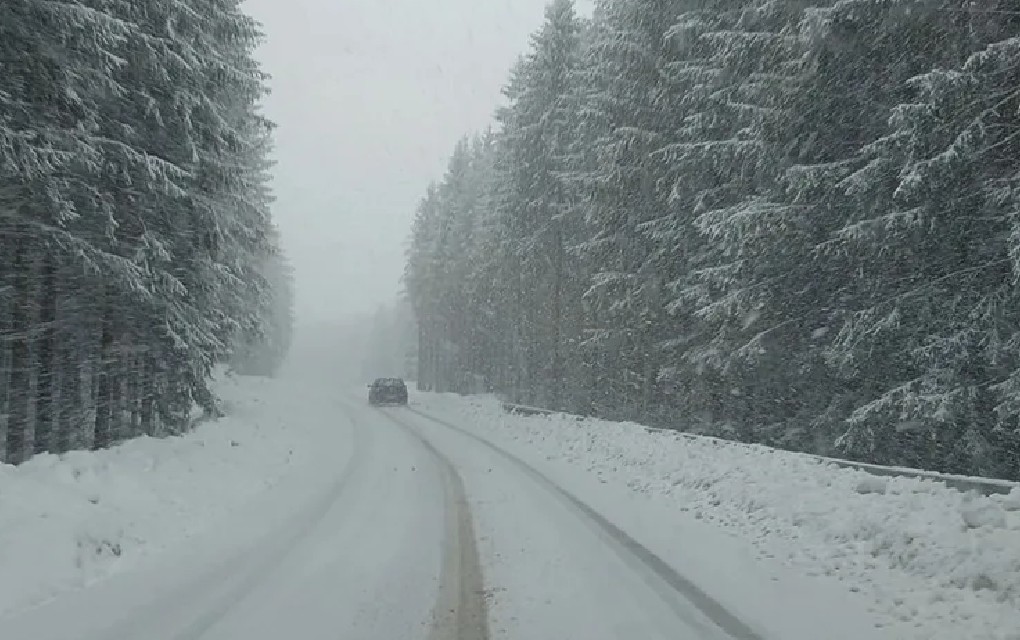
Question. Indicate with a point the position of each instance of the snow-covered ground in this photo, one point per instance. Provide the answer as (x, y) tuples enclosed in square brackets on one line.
[(297, 515), (911, 557), (308, 513), (68, 521), (554, 571)]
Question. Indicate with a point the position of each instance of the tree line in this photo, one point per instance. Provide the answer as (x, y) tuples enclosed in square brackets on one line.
[(137, 249), (790, 223)]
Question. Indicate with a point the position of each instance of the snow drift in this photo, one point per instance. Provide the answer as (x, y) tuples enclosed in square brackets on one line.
[(69, 520)]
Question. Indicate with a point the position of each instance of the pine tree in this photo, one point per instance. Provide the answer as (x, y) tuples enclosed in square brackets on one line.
[(625, 114), (789, 223), (134, 213), (941, 304), (751, 295), (421, 279), (531, 198), (59, 58)]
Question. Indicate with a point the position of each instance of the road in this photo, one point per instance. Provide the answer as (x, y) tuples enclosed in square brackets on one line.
[(420, 530)]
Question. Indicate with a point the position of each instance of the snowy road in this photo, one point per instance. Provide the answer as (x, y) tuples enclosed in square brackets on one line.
[(578, 575), (410, 527)]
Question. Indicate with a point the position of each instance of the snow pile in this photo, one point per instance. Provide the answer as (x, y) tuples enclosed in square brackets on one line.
[(935, 562), (872, 484), (66, 521)]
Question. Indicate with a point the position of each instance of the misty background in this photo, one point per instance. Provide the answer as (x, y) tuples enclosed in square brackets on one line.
[(370, 98)]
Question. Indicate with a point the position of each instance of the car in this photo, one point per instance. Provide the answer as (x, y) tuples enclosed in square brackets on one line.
[(387, 391)]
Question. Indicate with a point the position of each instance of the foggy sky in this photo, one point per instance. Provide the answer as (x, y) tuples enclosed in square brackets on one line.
[(370, 97)]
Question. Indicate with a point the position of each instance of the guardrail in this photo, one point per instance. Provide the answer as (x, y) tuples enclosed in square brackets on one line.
[(984, 486), (525, 410)]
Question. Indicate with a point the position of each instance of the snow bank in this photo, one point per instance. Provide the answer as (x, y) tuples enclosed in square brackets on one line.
[(69, 520), (936, 563)]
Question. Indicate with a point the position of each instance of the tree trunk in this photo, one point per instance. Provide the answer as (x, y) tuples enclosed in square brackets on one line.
[(423, 358), (19, 427), (104, 424), (147, 390), (47, 410), (122, 397), (6, 331), (70, 396), (556, 392), (434, 357), (135, 385)]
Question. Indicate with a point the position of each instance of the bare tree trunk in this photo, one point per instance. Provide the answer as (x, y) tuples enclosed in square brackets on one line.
[(70, 396), (556, 370), (124, 414), (19, 427), (123, 391), (423, 357), (6, 333), (434, 355), (104, 424), (47, 410), (122, 428), (136, 380), (148, 392)]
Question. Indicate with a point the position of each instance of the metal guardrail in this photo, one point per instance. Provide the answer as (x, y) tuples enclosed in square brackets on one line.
[(525, 410), (984, 486)]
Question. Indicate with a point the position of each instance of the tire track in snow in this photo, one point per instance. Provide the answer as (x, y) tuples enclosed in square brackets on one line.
[(221, 590), (461, 612), (668, 582), (281, 548)]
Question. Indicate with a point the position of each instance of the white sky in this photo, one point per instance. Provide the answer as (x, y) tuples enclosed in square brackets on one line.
[(370, 97)]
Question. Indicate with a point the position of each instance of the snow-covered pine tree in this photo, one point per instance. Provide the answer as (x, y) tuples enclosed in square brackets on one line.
[(463, 232), (482, 289), (59, 58), (750, 291), (133, 164), (735, 191), (620, 124), (578, 164), (195, 93), (453, 277), (532, 144), (455, 224), (933, 236), (421, 280)]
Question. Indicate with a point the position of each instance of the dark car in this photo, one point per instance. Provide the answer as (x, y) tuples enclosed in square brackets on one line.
[(387, 391)]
